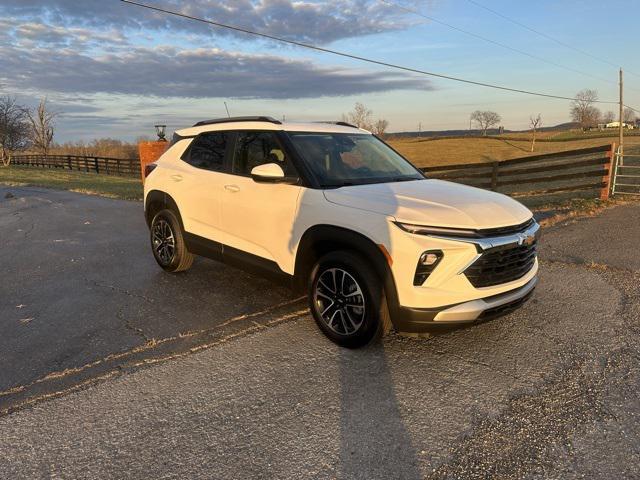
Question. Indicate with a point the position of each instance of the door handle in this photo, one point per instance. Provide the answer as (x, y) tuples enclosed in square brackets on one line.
[(176, 178), (232, 188)]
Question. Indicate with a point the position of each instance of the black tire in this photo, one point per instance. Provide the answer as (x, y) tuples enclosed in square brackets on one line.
[(335, 306), (167, 242)]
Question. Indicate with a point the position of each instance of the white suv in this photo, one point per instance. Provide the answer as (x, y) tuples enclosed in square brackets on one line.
[(334, 210)]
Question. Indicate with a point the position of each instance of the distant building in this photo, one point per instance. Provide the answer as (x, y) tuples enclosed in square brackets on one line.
[(617, 125)]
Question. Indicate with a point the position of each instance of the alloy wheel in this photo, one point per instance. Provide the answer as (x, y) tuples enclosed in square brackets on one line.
[(339, 301), (163, 241)]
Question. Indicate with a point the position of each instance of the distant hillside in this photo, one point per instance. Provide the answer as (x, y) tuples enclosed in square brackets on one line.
[(476, 132)]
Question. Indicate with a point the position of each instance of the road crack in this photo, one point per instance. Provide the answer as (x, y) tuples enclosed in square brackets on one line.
[(119, 290), (127, 323)]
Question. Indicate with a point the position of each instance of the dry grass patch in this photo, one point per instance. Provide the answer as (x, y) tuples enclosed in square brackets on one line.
[(577, 208), (123, 188), (425, 152)]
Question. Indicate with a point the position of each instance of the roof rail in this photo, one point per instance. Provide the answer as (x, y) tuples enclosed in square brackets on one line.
[(238, 119), (342, 124)]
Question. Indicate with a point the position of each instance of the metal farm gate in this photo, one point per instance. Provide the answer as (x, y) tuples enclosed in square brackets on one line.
[(626, 173)]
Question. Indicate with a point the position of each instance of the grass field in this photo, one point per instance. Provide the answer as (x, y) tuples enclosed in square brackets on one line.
[(89, 183), (424, 152)]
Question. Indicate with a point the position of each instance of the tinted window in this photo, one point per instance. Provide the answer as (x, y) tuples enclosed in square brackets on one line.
[(208, 151), (258, 148)]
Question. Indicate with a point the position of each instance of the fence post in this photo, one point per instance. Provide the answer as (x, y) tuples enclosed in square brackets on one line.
[(86, 164), (69, 161), (118, 166), (494, 176), (606, 179), (95, 163)]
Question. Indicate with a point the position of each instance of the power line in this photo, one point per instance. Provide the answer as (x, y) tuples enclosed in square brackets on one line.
[(548, 37), (631, 108), (502, 45), (354, 57)]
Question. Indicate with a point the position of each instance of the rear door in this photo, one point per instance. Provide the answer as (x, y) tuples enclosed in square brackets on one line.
[(257, 217), (199, 182)]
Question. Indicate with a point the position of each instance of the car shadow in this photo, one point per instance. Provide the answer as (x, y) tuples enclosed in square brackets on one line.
[(374, 440)]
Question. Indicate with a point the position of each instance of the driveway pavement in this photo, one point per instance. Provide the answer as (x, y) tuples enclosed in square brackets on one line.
[(550, 391), (81, 294)]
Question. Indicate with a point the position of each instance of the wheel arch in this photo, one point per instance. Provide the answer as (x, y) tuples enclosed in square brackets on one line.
[(322, 239), (157, 200)]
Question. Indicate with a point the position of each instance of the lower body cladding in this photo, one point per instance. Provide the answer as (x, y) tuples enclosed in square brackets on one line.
[(414, 320)]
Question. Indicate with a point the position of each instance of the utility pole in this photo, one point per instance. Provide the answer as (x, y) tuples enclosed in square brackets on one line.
[(620, 130)]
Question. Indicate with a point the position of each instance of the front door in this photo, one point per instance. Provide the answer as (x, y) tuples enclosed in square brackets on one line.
[(258, 218)]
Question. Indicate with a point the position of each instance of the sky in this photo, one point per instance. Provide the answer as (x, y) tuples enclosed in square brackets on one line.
[(114, 70)]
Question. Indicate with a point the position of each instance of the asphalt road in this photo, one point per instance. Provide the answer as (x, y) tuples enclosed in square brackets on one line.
[(550, 391), (81, 294)]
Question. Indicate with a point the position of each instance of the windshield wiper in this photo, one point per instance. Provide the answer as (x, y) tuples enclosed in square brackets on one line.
[(338, 185), (404, 179)]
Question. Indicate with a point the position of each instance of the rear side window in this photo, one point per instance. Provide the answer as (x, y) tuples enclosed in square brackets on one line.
[(254, 148), (208, 151)]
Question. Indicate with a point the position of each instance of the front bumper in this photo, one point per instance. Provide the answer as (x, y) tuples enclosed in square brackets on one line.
[(418, 320)]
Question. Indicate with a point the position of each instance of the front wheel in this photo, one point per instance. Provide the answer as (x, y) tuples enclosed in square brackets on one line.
[(167, 243), (347, 300)]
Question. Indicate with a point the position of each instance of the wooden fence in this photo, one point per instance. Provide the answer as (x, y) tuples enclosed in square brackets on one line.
[(106, 165), (539, 178), (535, 179)]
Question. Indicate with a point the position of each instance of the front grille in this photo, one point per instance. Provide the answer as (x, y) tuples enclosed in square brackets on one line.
[(501, 231), (502, 265)]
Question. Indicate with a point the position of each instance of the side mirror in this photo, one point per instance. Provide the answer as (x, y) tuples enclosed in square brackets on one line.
[(268, 173)]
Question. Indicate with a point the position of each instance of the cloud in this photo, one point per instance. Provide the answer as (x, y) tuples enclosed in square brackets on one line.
[(318, 21), (197, 73), (32, 34)]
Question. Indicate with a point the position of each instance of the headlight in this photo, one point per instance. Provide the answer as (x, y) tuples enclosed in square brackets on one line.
[(441, 231)]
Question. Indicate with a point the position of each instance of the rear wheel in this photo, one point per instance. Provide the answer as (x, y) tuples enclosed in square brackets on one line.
[(167, 242), (347, 300)]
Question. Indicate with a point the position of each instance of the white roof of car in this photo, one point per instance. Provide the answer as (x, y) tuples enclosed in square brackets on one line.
[(267, 125)]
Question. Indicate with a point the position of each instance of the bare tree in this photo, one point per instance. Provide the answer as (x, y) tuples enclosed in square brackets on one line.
[(628, 116), (485, 120), (42, 127), (14, 128), (536, 123), (583, 110), (380, 127), (360, 117), (608, 117)]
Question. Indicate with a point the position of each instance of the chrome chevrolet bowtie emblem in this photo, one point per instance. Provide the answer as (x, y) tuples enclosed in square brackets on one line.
[(524, 239)]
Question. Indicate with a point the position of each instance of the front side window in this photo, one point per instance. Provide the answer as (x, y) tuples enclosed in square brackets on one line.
[(254, 148), (208, 151), (341, 159)]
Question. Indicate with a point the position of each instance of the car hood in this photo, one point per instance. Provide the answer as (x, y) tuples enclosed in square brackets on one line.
[(433, 202)]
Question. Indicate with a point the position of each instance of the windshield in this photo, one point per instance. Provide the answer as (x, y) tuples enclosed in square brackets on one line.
[(341, 159)]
